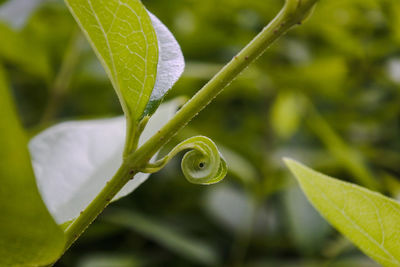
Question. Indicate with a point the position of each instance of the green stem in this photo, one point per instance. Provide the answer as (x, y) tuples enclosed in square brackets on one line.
[(293, 13), (76, 228), (63, 78)]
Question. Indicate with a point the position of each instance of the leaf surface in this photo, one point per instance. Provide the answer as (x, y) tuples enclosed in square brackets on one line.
[(123, 37), (370, 220), (74, 160), (28, 234)]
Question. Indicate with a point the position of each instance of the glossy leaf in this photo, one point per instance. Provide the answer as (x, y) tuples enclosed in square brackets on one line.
[(74, 160), (28, 234), (370, 220)]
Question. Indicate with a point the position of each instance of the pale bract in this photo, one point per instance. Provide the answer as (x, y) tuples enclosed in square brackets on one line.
[(74, 160)]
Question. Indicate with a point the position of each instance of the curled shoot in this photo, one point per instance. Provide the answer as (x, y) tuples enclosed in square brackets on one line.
[(203, 164)]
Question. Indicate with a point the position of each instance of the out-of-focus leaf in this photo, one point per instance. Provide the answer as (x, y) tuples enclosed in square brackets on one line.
[(327, 73), (20, 50), (370, 220), (28, 234), (348, 156), (393, 69), (17, 12), (395, 20), (161, 233), (231, 207), (104, 260), (307, 229), (74, 160), (393, 185), (346, 262), (239, 166), (286, 114), (201, 70)]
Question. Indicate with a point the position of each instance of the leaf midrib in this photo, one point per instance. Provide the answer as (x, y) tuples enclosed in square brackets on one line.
[(113, 71)]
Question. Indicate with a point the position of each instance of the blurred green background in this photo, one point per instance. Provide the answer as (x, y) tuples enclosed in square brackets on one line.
[(326, 94)]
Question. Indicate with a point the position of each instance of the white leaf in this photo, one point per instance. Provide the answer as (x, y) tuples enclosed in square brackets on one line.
[(74, 160), (171, 63)]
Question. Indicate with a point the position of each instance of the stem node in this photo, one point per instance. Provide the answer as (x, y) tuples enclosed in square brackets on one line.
[(293, 13)]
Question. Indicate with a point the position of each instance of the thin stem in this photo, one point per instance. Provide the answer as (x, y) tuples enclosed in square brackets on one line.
[(76, 228), (63, 78), (293, 13)]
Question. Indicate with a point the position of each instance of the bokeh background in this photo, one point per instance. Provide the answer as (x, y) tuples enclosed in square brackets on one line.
[(326, 94)]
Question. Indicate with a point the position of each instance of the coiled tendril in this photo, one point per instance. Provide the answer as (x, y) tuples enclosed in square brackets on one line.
[(203, 164)]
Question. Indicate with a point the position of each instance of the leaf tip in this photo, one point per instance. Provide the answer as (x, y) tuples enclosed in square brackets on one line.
[(296, 168), (290, 162)]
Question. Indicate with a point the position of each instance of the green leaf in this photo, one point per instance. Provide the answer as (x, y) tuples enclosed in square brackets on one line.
[(286, 114), (28, 234), (123, 37), (370, 220), (24, 51)]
